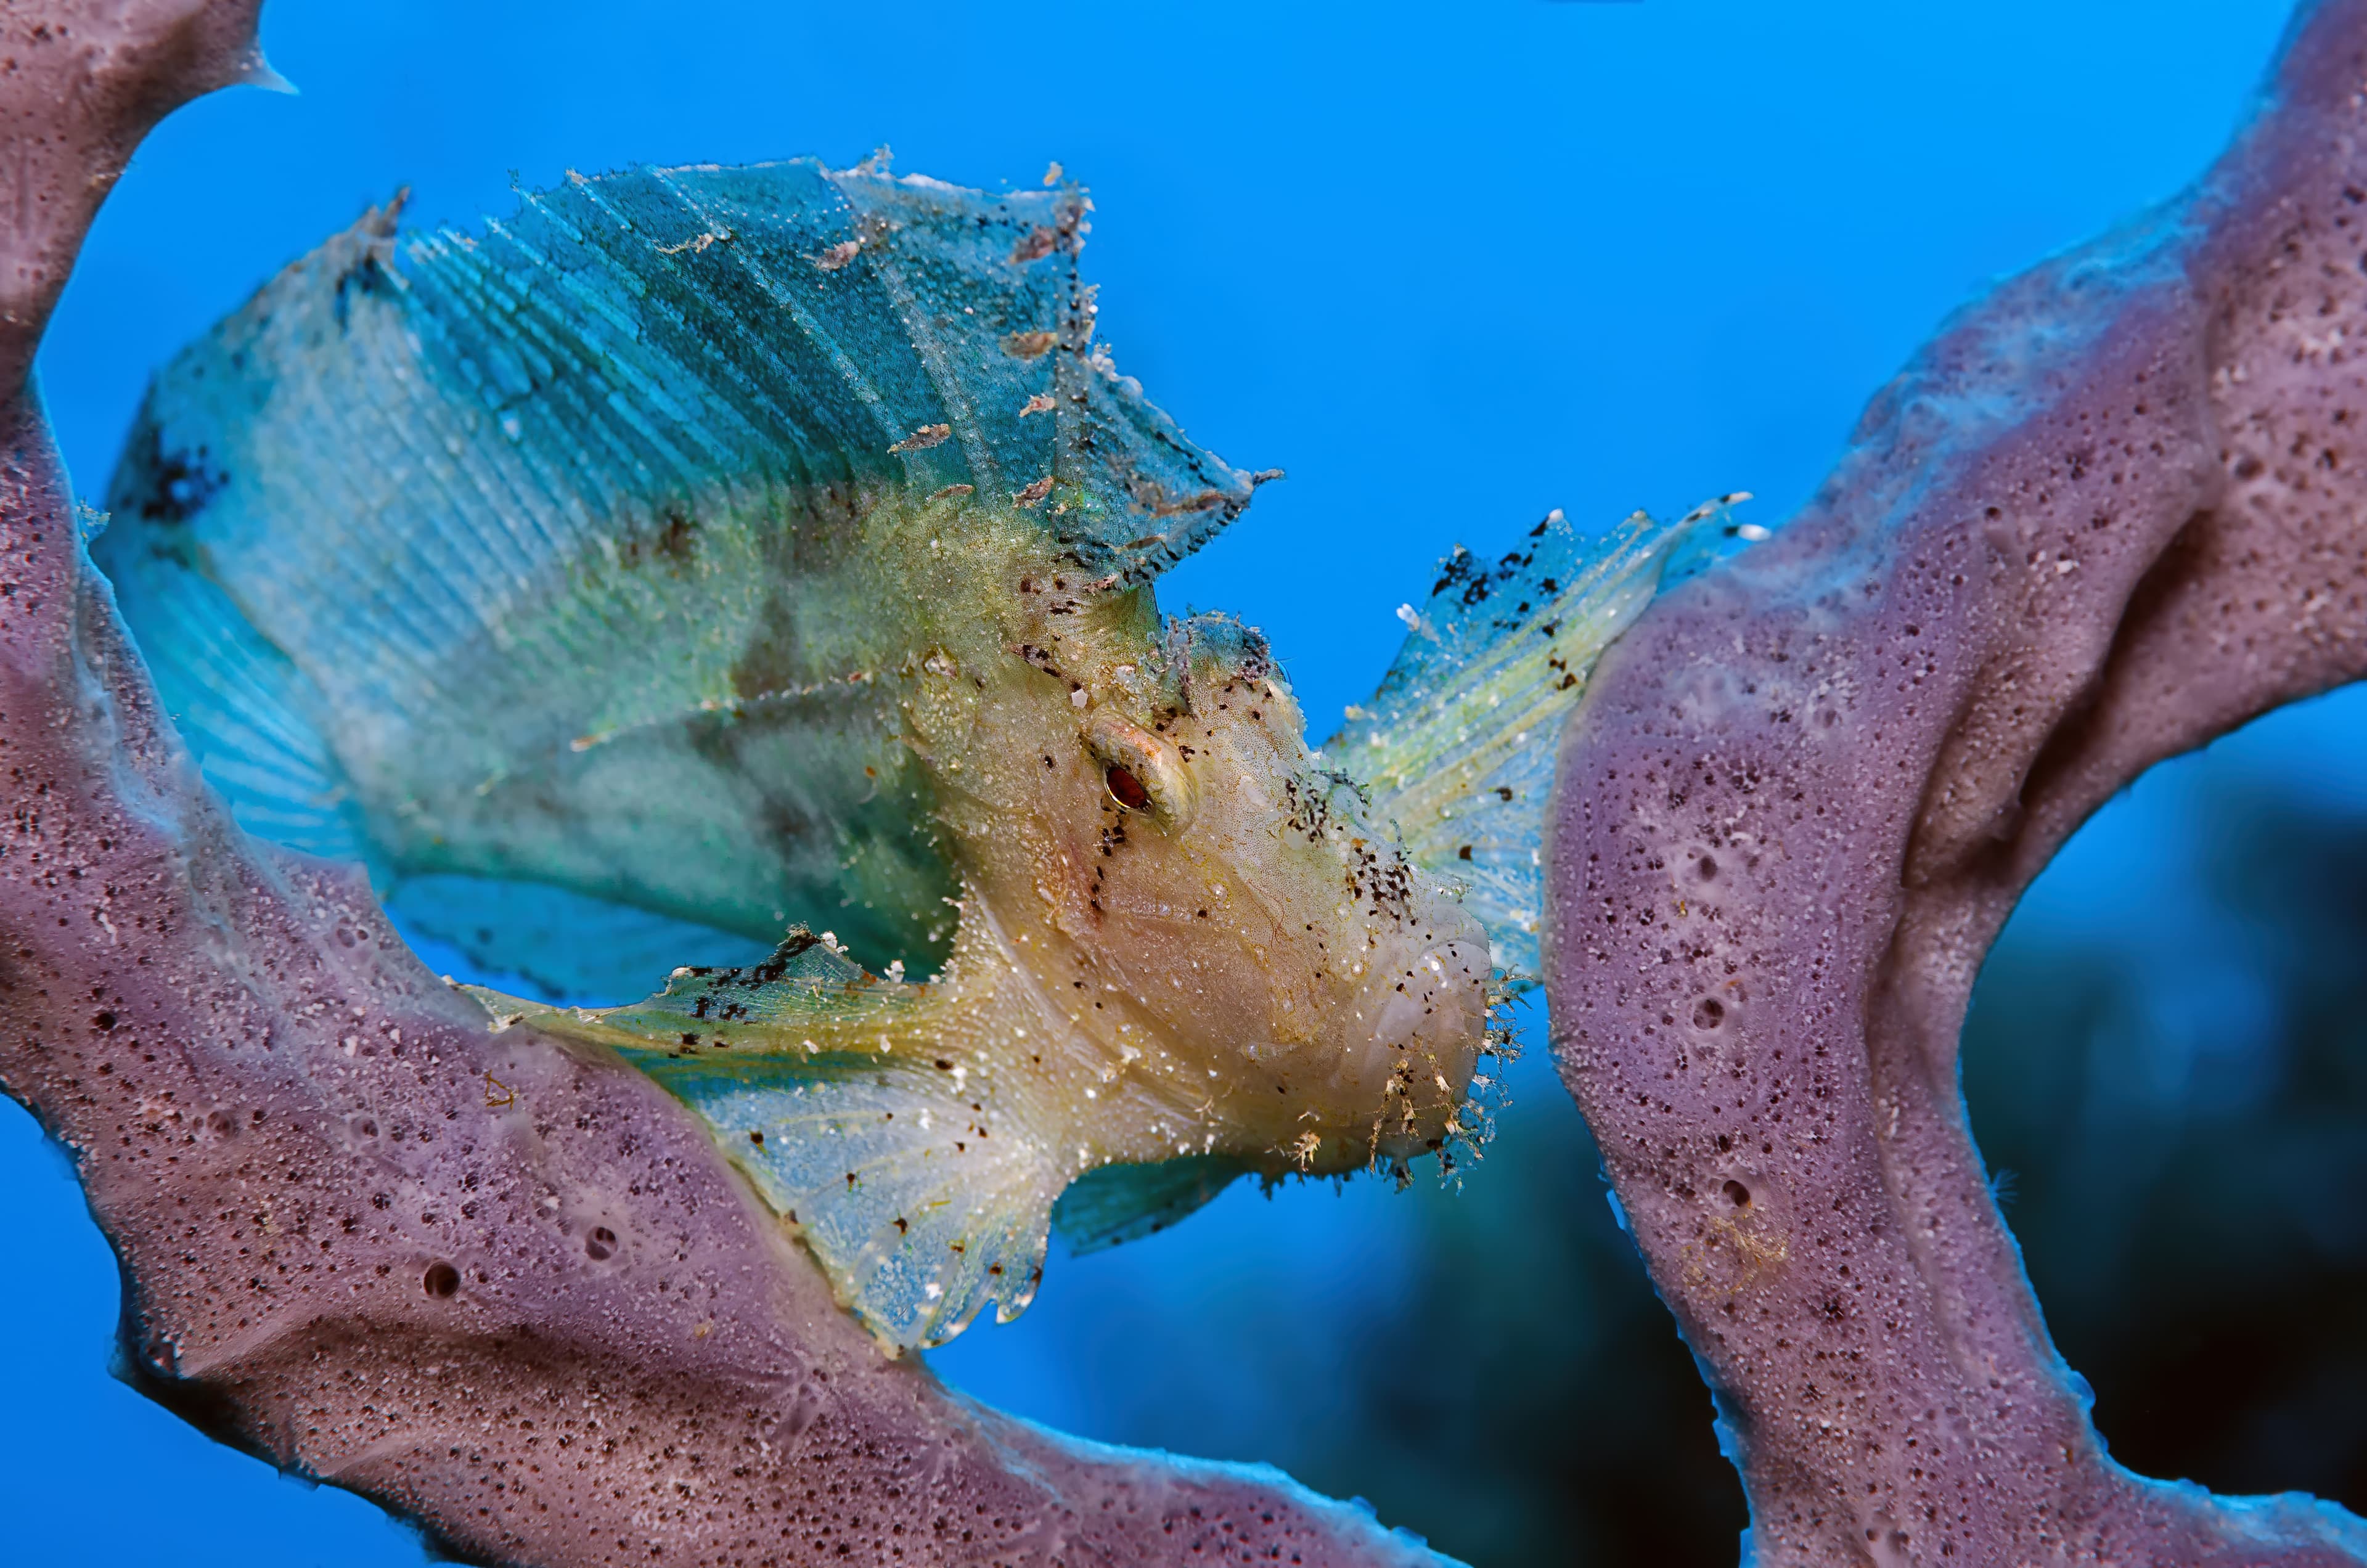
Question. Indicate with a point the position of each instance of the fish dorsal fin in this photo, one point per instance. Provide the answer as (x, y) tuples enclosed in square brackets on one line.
[(850, 1102), (573, 549), (1459, 744)]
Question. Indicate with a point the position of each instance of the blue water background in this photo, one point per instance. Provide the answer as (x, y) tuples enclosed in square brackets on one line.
[(1449, 265)]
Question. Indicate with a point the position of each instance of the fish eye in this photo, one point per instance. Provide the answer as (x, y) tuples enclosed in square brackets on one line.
[(1141, 772), (1126, 789)]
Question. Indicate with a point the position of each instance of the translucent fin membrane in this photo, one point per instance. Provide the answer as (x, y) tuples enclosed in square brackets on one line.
[(899, 1158), (546, 941), (1459, 744)]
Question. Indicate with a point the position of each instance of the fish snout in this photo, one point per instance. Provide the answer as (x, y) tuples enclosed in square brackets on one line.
[(1428, 1024)]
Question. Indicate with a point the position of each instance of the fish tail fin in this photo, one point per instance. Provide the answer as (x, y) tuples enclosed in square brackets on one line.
[(1458, 743), (902, 1160), (562, 945), (254, 718)]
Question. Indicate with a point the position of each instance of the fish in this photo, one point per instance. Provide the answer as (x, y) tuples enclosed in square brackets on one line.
[(745, 577)]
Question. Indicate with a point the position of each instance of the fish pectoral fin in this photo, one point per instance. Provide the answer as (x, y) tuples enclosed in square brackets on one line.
[(1115, 1203), (921, 1205), (1458, 743), (923, 1196)]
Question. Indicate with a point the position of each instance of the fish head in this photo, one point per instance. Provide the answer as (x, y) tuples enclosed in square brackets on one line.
[(1229, 913)]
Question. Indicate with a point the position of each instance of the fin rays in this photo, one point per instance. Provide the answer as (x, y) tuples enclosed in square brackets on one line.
[(905, 1162), (1460, 741)]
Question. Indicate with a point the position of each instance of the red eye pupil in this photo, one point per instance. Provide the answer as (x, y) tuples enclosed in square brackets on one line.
[(1126, 789)]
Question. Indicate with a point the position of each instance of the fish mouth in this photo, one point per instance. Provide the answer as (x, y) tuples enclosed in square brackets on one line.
[(1428, 1005)]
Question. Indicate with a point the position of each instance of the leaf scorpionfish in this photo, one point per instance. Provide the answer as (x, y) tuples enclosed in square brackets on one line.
[(705, 549)]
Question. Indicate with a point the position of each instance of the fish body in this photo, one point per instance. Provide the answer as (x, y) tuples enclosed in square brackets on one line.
[(702, 550), (1177, 941)]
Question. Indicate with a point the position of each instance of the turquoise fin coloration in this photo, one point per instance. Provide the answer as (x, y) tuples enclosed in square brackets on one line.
[(1458, 745), (882, 1146), (1115, 1203), (575, 550), (248, 717)]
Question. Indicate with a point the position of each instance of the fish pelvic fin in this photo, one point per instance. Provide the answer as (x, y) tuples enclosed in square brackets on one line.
[(863, 1114), (1115, 1203), (1459, 744)]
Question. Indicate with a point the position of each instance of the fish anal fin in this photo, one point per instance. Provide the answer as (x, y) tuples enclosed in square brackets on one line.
[(921, 1210)]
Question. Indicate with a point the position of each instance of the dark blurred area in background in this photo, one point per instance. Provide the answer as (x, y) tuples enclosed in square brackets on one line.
[(1528, 1399), (2188, 1167)]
